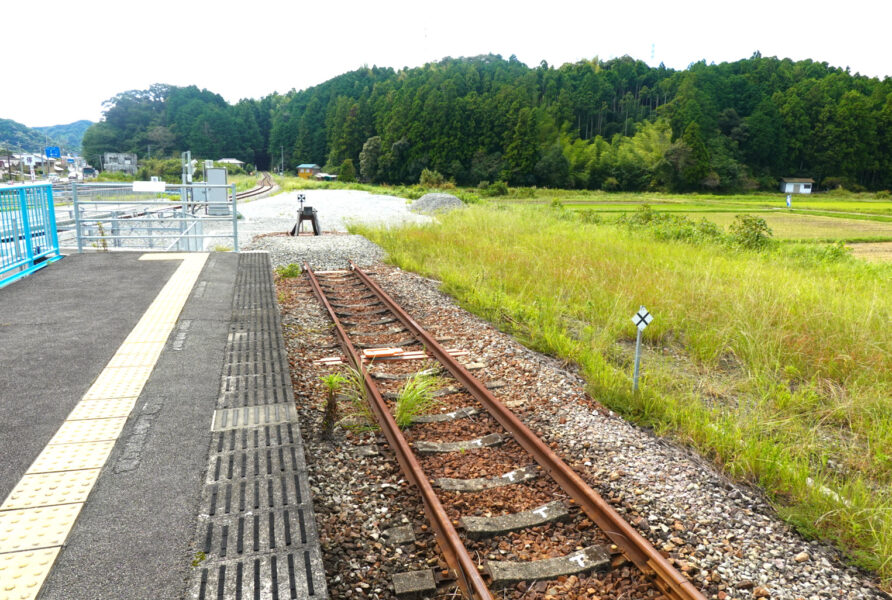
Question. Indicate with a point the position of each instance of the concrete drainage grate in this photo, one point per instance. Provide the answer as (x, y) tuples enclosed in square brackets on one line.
[(256, 537), (281, 576), (251, 416)]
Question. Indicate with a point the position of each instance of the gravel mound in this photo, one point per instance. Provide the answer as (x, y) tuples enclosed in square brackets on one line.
[(323, 252), (435, 203)]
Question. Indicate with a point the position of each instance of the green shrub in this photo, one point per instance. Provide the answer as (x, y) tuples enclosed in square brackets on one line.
[(611, 184), (496, 188), (750, 231), (288, 271), (667, 226), (589, 216), (526, 192), (169, 170), (347, 172), (430, 178), (882, 195), (466, 197), (810, 254), (413, 192), (113, 176)]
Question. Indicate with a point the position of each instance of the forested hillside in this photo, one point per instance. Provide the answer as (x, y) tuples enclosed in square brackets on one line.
[(70, 135), (16, 137), (616, 124)]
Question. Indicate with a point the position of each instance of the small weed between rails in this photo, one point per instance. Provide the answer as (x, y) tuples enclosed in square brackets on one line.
[(415, 398), (359, 417), (200, 557), (332, 383), (288, 271), (776, 362)]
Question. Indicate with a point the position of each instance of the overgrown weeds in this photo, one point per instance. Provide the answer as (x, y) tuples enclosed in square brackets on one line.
[(796, 345)]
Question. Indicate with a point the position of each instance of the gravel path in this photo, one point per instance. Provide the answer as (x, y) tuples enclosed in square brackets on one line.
[(323, 252), (336, 208)]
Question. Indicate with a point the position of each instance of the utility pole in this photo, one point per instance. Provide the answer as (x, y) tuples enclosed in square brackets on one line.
[(282, 163)]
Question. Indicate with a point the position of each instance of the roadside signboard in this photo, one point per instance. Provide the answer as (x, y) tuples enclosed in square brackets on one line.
[(53, 152)]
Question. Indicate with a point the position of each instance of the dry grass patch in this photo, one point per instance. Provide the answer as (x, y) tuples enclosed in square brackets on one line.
[(873, 252)]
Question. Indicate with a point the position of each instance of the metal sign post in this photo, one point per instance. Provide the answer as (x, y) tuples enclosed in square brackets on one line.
[(641, 320)]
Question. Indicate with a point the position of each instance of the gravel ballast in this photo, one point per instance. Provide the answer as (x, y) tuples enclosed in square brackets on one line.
[(323, 252)]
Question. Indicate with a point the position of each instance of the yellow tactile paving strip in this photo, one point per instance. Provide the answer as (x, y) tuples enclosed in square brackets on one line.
[(22, 573), (102, 409), (89, 430), (38, 514), (49, 489), (61, 457)]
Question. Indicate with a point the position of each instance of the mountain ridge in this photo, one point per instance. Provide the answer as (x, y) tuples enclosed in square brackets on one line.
[(17, 137)]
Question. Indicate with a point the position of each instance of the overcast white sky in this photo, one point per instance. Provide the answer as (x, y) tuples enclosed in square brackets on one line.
[(71, 56)]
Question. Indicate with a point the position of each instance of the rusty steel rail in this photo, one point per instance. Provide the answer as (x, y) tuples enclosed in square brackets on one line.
[(266, 184), (627, 538), (457, 557)]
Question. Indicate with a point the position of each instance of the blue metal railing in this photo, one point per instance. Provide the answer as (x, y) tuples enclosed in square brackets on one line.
[(28, 237)]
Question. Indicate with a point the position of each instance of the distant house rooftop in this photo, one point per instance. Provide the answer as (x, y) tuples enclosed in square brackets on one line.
[(308, 166), (231, 161), (797, 180)]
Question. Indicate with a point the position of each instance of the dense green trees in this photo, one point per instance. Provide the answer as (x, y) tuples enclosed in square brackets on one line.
[(165, 120), (615, 124)]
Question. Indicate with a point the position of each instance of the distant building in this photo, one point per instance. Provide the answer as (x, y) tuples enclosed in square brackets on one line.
[(794, 185), (307, 171), (231, 161), (119, 162), (325, 177)]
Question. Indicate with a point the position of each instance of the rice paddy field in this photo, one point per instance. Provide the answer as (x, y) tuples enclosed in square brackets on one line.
[(773, 361), (862, 221)]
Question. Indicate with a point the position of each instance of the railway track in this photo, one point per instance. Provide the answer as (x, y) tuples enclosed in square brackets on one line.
[(489, 486), (265, 185)]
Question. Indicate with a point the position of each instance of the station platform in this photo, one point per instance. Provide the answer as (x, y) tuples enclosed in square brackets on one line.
[(149, 443)]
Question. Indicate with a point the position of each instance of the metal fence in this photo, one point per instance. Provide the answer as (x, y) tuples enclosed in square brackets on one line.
[(148, 216), (28, 238)]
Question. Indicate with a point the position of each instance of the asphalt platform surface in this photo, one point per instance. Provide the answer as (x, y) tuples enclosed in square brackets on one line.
[(142, 530)]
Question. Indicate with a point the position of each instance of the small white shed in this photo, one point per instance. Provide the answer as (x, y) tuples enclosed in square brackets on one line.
[(794, 185)]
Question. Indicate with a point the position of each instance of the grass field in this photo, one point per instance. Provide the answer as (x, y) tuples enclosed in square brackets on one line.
[(839, 216), (842, 202), (243, 182), (776, 365)]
